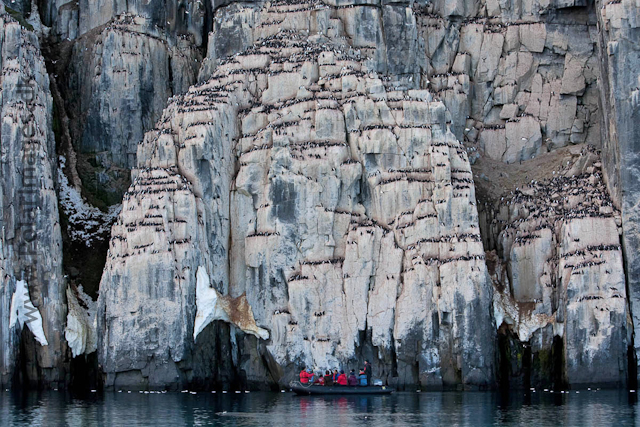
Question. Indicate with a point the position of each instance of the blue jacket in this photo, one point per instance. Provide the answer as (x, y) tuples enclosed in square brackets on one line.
[(363, 379)]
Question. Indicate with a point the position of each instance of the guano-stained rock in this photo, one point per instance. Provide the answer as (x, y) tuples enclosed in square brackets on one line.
[(30, 245), (351, 202)]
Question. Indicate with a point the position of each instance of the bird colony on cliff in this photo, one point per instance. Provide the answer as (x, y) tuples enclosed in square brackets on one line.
[(318, 183)]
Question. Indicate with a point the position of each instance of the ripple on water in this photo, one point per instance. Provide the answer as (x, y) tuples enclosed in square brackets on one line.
[(285, 409)]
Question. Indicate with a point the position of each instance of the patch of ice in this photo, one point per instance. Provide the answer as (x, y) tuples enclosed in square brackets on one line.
[(81, 328), (210, 306), (23, 311)]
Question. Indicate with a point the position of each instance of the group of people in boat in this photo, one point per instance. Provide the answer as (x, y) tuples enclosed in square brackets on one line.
[(335, 378)]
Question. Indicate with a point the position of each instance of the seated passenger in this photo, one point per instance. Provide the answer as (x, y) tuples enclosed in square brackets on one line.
[(328, 378), (342, 378), (353, 380), (363, 378), (304, 377)]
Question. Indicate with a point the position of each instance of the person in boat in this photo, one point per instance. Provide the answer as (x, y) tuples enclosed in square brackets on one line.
[(342, 378), (336, 374), (319, 379), (328, 378), (311, 376), (305, 376), (368, 371), (353, 380), (362, 378)]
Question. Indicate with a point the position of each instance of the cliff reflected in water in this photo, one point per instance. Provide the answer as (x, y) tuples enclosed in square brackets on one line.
[(277, 409)]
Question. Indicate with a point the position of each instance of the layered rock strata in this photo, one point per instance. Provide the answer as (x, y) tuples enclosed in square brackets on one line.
[(116, 64), (619, 46), (559, 273), (30, 245), (344, 210), (331, 146), (519, 81), (316, 180)]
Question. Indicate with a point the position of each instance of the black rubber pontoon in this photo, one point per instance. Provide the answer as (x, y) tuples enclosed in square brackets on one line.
[(307, 390)]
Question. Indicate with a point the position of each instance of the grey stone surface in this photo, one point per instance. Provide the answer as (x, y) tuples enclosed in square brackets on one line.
[(334, 264), (619, 47), (30, 244), (320, 173), (559, 245)]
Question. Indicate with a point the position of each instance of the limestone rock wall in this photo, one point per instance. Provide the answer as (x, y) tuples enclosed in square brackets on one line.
[(121, 70), (30, 245), (342, 207), (619, 45), (322, 143), (114, 67), (560, 266), (521, 81), (519, 78), (319, 174), (146, 307), (385, 32)]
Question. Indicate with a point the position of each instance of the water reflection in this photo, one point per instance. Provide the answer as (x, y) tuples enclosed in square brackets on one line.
[(285, 409)]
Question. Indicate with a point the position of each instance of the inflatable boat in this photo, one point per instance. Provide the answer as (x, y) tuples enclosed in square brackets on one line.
[(306, 390)]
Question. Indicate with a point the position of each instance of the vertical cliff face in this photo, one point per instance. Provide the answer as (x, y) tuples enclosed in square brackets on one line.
[(340, 204), (521, 85), (31, 242), (559, 263), (125, 59), (322, 145), (115, 65), (312, 199), (618, 24)]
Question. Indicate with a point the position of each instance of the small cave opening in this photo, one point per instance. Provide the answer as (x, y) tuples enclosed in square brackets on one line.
[(211, 366), (558, 376), (85, 374), (525, 365)]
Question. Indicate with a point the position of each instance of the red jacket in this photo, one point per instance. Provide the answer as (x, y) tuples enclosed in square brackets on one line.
[(342, 379), (304, 377)]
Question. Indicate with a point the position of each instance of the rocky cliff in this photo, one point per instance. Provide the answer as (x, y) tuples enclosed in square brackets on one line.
[(446, 189), (618, 44), (31, 246)]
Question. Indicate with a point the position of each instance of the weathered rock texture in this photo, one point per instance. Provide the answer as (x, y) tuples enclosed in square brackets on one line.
[(30, 245), (519, 83), (619, 46), (321, 154), (123, 66), (343, 208), (310, 200), (116, 64), (559, 273)]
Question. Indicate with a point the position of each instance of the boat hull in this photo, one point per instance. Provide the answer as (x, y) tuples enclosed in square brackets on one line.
[(339, 390)]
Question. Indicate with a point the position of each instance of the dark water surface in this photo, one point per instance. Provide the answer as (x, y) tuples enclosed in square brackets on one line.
[(586, 408)]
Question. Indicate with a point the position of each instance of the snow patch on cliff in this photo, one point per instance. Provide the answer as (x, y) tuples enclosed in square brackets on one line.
[(23, 311), (80, 331), (86, 223), (211, 306), (505, 310)]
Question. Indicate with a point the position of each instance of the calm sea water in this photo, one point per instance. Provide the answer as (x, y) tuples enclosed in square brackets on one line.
[(595, 408)]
